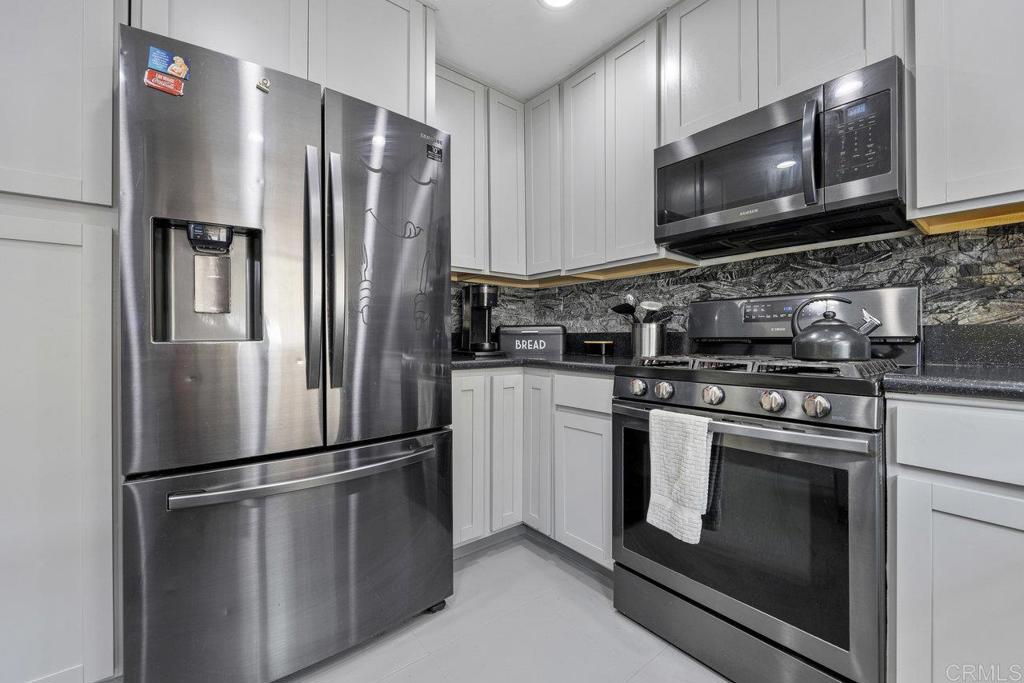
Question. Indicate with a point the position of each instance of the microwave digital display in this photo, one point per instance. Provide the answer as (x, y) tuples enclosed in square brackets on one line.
[(858, 140)]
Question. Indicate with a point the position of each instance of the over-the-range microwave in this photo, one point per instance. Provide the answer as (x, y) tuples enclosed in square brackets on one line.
[(823, 165)]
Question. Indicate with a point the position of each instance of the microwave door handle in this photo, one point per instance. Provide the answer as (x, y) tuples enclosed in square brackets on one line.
[(808, 138), (313, 268), (338, 305)]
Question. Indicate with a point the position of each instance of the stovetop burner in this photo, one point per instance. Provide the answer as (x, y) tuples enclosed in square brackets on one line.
[(777, 365)]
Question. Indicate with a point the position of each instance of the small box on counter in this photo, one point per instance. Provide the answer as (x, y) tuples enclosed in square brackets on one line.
[(545, 341)]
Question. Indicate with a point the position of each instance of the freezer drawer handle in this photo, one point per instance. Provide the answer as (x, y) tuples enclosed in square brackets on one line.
[(183, 501)]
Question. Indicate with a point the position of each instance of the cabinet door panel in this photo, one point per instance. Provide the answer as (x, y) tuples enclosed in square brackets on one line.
[(506, 451), (960, 556), (470, 404), (803, 43), (273, 33), (631, 135), (57, 85), (544, 183), (583, 484), (56, 498), (968, 122), (583, 167), (371, 49), (710, 65), (462, 111), (507, 170), (538, 422)]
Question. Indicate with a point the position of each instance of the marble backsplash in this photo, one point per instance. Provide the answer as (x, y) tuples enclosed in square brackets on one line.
[(966, 278)]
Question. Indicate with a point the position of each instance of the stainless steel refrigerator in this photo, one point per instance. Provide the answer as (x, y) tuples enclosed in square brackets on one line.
[(285, 386)]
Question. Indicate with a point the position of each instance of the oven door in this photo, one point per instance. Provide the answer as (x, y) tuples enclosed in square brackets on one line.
[(757, 168), (793, 548)]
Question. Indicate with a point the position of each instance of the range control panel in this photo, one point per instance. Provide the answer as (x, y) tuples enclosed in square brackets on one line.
[(858, 139), (769, 310)]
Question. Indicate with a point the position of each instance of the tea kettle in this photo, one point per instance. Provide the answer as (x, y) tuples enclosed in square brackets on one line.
[(831, 338)]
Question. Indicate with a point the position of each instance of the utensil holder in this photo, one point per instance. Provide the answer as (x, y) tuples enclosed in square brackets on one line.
[(648, 340)]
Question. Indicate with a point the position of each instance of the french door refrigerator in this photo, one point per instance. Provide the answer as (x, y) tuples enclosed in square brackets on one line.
[(285, 386)]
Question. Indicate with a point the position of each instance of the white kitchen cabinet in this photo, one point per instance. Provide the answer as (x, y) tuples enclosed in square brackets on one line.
[(802, 43), (470, 456), (506, 450), (631, 134), (583, 166), (56, 494), (507, 172), (380, 51), (710, 65), (274, 33), (959, 563), (544, 183), (583, 487), (57, 84), (462, 111), (538, 425), (969, 148)]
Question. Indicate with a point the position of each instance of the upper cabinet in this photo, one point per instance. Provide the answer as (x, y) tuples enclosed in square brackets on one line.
[(583, 164), (969, 148), (462, 111), (631, 134), (709, 65), (57, 85), (273, 33), (376, 50), (507, 172), (803, 43), (544, 183)]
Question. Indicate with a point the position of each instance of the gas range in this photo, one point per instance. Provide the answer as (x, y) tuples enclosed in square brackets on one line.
[(741, 362)]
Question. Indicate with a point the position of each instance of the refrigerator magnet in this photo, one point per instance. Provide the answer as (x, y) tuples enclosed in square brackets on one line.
[(169, 63), (164, 83)]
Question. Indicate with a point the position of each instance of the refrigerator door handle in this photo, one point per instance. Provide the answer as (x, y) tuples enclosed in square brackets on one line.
[(195, 499), (337, 251), (313, 270)]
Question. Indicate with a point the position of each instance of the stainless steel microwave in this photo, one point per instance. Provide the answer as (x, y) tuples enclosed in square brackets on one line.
[(823, 165)]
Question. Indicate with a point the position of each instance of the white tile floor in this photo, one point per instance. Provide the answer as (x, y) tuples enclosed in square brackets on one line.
[(521, 614)]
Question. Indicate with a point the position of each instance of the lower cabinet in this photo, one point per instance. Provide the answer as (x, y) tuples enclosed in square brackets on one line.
[(960, 559), (469, 457), (538, 423), (583, 486), (506, 450)]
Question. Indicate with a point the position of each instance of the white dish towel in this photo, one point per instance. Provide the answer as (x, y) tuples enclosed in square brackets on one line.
[(680, 470)]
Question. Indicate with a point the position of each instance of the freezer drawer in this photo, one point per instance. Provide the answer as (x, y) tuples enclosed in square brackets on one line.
[(246, 574)]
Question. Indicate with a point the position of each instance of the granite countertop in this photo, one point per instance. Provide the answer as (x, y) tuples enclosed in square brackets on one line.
[(969, 381), (578, 362)]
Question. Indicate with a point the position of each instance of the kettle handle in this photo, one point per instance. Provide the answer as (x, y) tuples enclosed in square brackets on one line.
[(796, 314)]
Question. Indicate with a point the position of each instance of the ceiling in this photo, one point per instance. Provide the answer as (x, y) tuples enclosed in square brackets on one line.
[(523, 48)]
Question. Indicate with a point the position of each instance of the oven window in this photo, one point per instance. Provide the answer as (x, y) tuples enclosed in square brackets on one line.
[(777, 538)]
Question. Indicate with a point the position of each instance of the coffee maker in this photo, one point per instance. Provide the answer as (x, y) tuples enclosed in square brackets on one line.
[(477, 302)]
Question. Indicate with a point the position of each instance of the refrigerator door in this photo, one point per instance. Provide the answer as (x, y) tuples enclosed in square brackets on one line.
[(221, 257), (246, 574), (388, 272)]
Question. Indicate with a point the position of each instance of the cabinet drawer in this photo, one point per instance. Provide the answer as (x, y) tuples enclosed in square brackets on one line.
[(976, 441), (584, 392)]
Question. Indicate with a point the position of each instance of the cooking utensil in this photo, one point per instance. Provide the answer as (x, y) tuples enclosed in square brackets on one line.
[(660, 316), (831, 338), (630, 299), (626, 309), (647, 308)]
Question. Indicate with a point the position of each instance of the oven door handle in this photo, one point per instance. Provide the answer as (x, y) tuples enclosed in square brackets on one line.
[(832, 443)]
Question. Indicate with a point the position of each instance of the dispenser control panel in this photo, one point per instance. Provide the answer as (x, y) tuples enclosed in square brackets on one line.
[(210, 239)]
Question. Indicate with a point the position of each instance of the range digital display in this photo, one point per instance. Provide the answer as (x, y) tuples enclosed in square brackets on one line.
[(769, 311)]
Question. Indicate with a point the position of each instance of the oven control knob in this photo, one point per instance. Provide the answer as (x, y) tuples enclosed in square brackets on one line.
[(772, 401), (638, 387), (816, 405), (663, 390), (712, 395)]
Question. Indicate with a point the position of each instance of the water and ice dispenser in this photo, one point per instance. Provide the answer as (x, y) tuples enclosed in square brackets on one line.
[(206, 282)]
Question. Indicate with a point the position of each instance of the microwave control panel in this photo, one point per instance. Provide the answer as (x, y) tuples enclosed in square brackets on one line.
[(858, 139)]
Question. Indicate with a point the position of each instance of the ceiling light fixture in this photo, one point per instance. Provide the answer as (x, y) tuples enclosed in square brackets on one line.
[(556, 4)]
